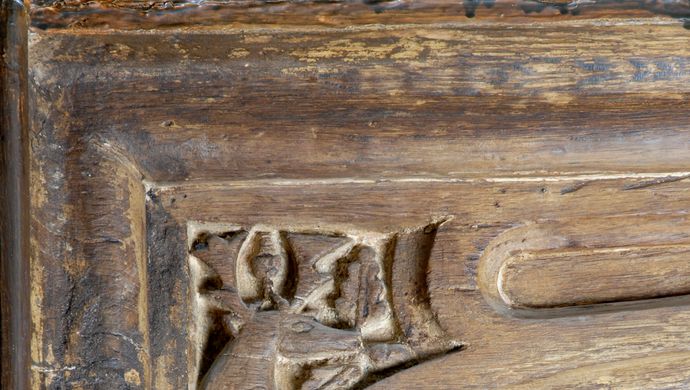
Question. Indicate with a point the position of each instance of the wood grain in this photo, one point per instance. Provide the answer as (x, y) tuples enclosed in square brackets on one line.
[(622, 274), (243, 94), (512, 347), (134, 14), (548, 269), (14, 198), (156, 149)]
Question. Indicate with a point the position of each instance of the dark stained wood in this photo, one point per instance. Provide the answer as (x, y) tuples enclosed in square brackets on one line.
[(135, 14), (14, 198), (354, 194)]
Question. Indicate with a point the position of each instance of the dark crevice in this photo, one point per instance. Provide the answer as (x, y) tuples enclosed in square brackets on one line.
[(383, 374)]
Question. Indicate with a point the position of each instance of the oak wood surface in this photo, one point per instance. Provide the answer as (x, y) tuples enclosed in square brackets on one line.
[(136, 14), (348, 194), (14, 198)]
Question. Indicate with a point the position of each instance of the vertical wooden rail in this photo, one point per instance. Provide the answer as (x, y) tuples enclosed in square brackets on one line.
[(14, 197)]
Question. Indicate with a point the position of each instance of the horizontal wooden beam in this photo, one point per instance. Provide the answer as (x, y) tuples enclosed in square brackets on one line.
[(152, 14)]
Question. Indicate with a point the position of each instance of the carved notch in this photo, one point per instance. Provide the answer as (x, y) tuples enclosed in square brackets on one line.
[(312, 309)]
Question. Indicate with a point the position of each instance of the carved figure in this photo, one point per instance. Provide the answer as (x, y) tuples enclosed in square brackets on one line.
[(286, 309)]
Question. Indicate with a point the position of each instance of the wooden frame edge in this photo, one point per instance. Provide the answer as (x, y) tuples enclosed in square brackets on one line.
[(130, 14), (14, 197)]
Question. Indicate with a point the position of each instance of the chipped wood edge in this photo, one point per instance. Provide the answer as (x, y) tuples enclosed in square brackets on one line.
[(14, 196)]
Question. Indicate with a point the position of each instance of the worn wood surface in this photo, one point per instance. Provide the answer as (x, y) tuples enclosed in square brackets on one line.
[(135, 14), (354, 194), (14, 198)]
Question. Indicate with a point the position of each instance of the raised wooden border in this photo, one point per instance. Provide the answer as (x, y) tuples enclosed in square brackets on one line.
[(14, 208), (14, 197), (133, 14)]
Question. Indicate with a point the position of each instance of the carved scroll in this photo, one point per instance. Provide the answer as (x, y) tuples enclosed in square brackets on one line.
[(288, 309)]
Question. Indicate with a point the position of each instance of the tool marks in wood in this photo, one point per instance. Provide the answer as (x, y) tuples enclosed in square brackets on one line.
[(294, 308)]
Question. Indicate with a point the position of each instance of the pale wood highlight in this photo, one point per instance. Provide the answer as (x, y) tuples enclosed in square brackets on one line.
[(558, 278)]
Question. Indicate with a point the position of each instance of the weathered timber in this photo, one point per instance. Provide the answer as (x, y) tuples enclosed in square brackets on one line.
[(346, 194)]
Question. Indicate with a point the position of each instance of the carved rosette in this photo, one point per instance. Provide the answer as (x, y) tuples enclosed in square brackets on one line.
[(289, 308)]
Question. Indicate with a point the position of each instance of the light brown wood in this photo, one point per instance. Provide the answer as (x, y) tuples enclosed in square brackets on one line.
[(621, 274), (546, 269), (351, 195)]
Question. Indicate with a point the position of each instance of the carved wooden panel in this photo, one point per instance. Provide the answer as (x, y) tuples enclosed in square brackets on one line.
[(297, 195), (311, 308)]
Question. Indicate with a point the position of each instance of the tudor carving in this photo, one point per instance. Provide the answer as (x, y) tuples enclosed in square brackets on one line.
[(297, 308)]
